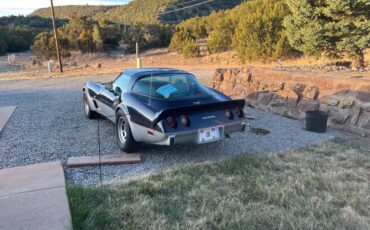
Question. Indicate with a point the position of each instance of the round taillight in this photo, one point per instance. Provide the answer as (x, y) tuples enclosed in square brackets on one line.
[(229, 114), (185, 120), (172, 123), (239, 112)]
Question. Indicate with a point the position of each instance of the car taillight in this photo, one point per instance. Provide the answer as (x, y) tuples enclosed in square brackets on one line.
[(239, 112), (185, 120), (229, 114), (172, 123)]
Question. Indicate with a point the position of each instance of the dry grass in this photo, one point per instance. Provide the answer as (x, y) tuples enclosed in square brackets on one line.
[(324, 186), (115, 62)]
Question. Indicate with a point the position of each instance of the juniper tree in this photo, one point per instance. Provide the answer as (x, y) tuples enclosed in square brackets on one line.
[(260, 35), (330, 27)]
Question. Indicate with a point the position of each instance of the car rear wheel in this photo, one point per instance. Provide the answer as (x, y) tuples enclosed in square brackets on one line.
[(126, 141), (88, 112)]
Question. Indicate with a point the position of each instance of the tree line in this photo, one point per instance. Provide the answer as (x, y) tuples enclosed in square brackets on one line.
[(88, 36), (255, 30), (274, 29), (17, 33)]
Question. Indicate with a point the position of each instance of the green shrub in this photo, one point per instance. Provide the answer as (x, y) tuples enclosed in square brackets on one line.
[(330, 27), (44, 46), (260, 34), (221, 37), (189, 48), (178, 39), (86, 42)]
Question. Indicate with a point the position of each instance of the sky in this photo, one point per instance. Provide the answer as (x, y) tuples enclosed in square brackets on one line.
[(25, 7)]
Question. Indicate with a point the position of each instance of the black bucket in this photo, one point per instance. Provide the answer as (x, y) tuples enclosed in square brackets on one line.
[(316, 121)]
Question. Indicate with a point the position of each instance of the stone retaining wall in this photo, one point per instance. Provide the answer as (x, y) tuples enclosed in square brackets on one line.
[(347, 98)]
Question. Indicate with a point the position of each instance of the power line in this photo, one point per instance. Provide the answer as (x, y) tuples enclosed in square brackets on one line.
[(186, 7), (183, 3)]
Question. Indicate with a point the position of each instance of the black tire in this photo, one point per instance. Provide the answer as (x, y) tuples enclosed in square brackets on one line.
[(126, 141), (87, 111)]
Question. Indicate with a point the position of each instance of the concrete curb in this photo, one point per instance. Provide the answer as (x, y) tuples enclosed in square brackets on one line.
[(34, 197)]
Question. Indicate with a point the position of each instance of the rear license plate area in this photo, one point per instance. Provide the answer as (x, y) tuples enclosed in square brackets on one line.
[(210, 134)]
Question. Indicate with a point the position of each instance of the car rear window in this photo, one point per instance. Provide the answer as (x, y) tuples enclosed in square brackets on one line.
[(170, 87)]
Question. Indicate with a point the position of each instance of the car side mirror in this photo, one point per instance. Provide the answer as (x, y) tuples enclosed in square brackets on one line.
[(117, 91)]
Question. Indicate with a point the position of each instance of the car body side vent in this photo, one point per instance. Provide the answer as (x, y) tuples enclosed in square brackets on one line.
[(95, 104)]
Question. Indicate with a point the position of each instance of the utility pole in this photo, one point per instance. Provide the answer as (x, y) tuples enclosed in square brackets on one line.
[(56, 38)]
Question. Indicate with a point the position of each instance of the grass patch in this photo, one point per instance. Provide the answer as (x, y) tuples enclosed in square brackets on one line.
[(325, 186)]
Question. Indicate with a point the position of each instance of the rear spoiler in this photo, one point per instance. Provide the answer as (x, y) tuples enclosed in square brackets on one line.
[(193, 108)]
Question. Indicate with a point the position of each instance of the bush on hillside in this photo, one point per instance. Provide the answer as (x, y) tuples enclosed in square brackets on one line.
[(148, 36), (110, 33), (260, 34), (178, 39), (189, 48), (44, 46), (86, 42), (220, 38)]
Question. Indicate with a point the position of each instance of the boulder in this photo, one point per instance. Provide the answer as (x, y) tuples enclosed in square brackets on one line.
[(366, 106), (223, 86), (346, 103), (218, 76), (292, 99), (338, 117), (251, 92), (363, 93), (278, 102), (214, 84), (244, 77), (356, 115), (330, 100), (265, 98), (227, 75), (299, 88), (305, 105), (312, 92), (233, 78), (239, 90)]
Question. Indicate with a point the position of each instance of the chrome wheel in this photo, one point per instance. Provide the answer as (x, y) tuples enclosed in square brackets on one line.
[(122, 134)]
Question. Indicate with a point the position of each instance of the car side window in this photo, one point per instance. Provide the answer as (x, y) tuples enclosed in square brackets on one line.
[(122, 82)]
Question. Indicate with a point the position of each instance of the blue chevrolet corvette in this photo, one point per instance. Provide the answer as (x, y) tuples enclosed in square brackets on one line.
[(163, 107)]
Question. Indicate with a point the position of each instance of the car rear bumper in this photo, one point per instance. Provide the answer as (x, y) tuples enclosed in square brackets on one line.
[(159, 138)]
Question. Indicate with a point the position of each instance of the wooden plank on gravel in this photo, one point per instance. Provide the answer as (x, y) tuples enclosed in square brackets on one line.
[(105, 160)]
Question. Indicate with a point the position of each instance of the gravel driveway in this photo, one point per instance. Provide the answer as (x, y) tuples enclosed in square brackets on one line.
[(49, 124)]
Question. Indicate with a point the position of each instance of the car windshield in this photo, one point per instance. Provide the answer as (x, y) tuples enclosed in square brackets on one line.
[(170, 87)]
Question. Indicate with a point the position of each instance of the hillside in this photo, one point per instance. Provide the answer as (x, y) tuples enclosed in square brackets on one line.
[(165, 11), (142, 11), (64, 12)]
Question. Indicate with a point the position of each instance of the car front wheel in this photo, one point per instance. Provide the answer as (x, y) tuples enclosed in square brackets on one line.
[(88, 112), (126, 141)]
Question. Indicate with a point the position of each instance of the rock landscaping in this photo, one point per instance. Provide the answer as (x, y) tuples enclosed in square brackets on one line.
[(346, 99)]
